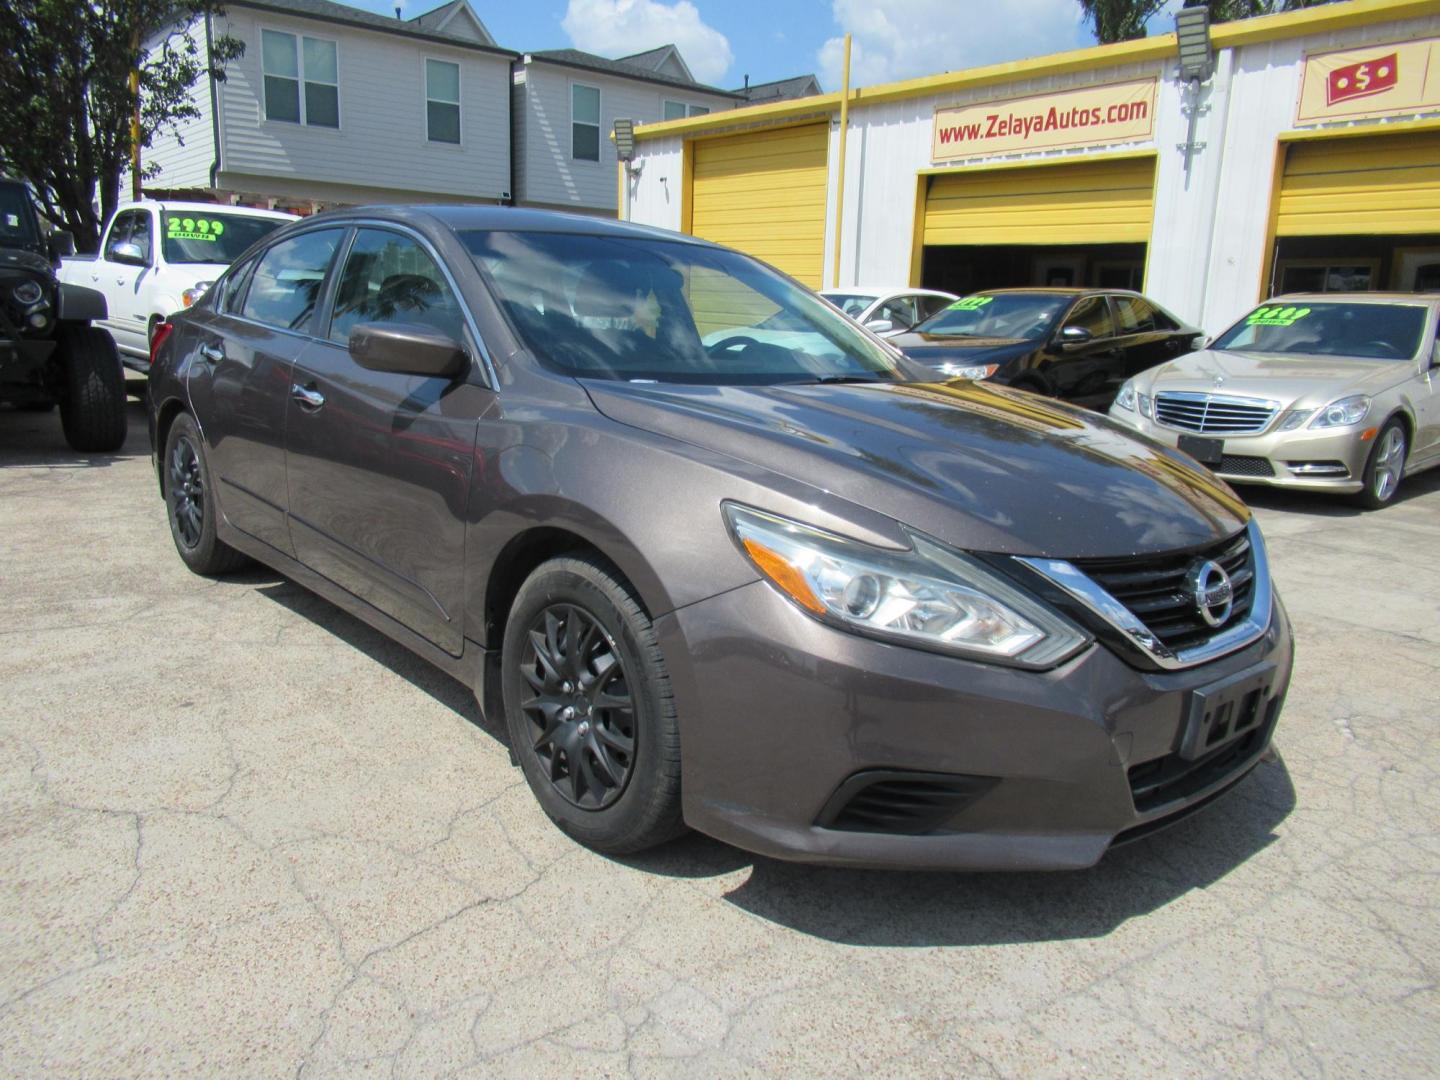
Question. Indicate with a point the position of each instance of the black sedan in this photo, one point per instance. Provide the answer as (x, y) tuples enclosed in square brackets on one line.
[(1077, 344)]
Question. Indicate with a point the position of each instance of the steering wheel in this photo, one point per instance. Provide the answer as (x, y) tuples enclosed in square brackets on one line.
[(731, 342), (1387, 348)]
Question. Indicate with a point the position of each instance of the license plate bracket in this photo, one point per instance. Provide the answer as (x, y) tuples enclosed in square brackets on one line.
[(1206, 451), (1226, 710)]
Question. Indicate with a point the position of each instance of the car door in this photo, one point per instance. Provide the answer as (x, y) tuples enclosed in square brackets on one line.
[(1146, 334), (1081, 370), (240, 381), (379, 463), (117, 279)]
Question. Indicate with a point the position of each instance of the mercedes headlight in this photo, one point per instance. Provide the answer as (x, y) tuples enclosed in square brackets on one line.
[(926, 596), (1132, 400), (969, 371), (1342, 413)]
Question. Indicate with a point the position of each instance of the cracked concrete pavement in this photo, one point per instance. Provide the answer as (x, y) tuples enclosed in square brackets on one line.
[(241, 833)]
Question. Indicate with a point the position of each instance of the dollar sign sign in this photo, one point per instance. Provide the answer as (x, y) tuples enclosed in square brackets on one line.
[(1362, 76)]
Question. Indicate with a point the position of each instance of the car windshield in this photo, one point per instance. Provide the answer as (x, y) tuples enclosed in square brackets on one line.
[(851, 304), (1362, 331), (193, 236), (15, 221), (628, 308), (1001, 315)]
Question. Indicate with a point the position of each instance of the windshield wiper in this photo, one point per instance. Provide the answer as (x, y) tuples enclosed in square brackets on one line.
[(832, 380)]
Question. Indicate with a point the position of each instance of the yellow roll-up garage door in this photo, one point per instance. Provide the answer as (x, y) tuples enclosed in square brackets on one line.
[(1362, 186), (1094, 202), (764, 193)]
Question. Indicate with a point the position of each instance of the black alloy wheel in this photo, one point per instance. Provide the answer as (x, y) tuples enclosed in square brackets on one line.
[(589, 707), (581, 712), (190, 502), (185, 486)]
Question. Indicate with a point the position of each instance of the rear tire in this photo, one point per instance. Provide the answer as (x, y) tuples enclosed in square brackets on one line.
[(1385, 467), (92, 412), (190, 502), (589, 707)]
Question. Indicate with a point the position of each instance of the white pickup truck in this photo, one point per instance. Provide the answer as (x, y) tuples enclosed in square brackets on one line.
[(157, 258)]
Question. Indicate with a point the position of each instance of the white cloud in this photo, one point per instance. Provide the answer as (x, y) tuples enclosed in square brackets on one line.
[(623, 27), (902, 39)]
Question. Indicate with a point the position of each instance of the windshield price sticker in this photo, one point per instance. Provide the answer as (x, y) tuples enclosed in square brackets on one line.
[(193, 229), (1276, 316), (970, 303)]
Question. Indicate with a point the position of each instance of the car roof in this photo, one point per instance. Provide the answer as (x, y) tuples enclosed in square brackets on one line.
[(466, 218), (1355, 298), (871, 290), (180, 205), (1059, 290)]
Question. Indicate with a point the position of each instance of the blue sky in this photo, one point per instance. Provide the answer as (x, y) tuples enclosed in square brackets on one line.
[(723, 40)]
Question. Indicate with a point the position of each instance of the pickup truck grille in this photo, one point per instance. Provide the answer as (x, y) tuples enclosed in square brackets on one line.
[(1213, 414), (1155, 592)]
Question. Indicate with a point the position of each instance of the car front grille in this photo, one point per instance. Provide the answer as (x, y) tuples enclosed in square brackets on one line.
[(1154, 589), (1213, 414), (1239, 465)]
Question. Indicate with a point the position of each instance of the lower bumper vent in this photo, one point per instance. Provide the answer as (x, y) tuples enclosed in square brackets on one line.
[(1240, 465), (910, 803)]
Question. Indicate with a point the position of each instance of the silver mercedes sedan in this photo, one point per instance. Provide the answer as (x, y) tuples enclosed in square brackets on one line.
[(1334, 392)]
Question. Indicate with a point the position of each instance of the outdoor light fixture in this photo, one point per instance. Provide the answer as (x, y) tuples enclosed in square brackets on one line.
[(625, 140), (1192, 29)]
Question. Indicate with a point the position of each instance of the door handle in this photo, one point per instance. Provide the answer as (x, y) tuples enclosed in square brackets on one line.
[(212, 353), (307, 397)]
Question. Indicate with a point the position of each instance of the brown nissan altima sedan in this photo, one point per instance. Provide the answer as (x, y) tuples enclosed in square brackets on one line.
[(801, 597)]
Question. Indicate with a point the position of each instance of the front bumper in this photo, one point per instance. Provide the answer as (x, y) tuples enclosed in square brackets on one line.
[(779, 712), (1303, 459)]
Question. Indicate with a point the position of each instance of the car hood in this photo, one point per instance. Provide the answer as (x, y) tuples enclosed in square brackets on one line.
[(978, 466), (1300, 378), (935, 351), (15, 258)]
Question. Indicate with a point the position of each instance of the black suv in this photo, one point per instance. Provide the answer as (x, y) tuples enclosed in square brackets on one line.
[(49, 352)]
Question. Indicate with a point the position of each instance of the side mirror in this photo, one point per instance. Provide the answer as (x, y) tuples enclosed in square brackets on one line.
[(62, 245), (880, 326), (129, 253), (406, 349), (1073, 337)]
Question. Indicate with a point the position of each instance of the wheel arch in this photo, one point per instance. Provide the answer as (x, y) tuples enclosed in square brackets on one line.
[(165, 417)]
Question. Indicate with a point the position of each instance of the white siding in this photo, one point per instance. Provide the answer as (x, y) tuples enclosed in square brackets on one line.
[(655, 191), (186, 153), (381, 142), (548, 175)]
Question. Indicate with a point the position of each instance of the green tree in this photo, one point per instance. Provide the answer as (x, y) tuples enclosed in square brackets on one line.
[(66, 96), (1123, 20)]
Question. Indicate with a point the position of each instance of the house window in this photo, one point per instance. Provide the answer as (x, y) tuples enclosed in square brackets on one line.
[(584, 123), (678, 110), (442, 101), (302, 79)]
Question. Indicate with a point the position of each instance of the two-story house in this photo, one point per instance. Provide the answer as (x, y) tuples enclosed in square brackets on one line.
[(334, 105), (565, 103)]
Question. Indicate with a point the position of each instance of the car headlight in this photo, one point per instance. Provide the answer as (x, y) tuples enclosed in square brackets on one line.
[(969, 371), (1132, 400), (926, 596), (195, 292), (1342, 413), (28, 292), (1293, 419)]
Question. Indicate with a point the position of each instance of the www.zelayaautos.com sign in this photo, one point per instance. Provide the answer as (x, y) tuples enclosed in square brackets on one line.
[(1093, 115)]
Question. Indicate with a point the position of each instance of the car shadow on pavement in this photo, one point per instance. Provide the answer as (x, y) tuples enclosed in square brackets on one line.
[(36, 440), (900, 909), (420, 673), (1335, 506)]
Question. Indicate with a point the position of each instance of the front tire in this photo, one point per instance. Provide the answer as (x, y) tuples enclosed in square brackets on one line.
[(92, 412), (190, 503), (589, 707), (1385, 467)]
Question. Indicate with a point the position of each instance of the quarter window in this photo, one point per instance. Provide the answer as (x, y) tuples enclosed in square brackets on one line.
[(1093, 314), (442, 101), (302, 79), (390, 278), (584, 123), (286, 284)]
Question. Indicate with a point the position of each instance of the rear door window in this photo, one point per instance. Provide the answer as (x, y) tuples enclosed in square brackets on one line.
[(287, 281), (1134, 315)]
